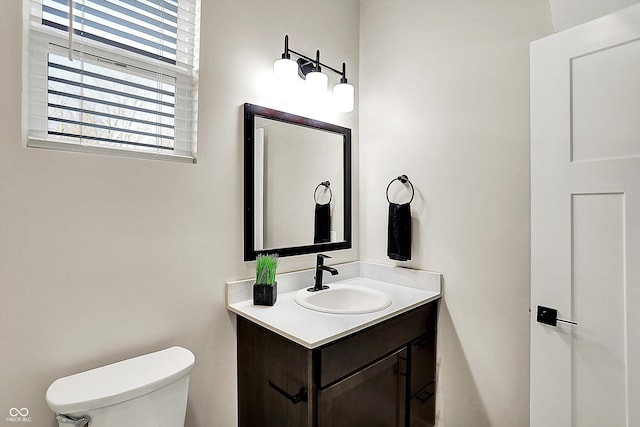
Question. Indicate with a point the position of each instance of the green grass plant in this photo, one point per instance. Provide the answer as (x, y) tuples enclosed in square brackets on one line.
[(266, 266)]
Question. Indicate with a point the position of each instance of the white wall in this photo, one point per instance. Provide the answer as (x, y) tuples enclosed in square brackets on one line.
[(569, 13), (444, 98), (103, 258)]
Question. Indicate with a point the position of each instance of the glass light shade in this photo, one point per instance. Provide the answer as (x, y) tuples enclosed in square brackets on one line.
[(286, 72), (317, 84), (343, 97)]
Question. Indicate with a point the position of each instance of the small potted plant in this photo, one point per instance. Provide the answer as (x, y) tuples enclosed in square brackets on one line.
[(265, 290)]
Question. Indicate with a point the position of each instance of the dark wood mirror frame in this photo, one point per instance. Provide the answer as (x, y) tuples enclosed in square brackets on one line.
[(250, 113)]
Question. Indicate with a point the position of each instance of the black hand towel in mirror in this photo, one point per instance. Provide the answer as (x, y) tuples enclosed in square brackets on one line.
[(322, 224), (399, 232)]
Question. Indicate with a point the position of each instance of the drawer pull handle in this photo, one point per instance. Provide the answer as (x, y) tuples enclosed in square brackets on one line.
[(426, 394), (301, 396), (425, 342)]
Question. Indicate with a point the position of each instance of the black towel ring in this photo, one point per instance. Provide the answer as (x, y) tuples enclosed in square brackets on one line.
[(403, 179), (323, 184)]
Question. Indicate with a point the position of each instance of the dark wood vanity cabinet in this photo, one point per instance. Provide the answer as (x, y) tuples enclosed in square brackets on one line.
[(381, 376)]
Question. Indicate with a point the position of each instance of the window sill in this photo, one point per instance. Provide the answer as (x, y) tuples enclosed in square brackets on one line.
[(91, 149)]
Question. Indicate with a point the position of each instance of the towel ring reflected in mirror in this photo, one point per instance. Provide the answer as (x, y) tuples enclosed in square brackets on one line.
[(327, 185), (403, 179)]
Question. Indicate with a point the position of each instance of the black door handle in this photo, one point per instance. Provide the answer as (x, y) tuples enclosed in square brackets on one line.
[(301, 396), (549, 316)]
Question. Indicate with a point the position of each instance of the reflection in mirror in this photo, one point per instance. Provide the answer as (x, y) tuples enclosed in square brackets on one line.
[(290, 162), (297, 184)]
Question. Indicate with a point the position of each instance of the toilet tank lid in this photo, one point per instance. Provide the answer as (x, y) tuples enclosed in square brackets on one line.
[(119, 381)]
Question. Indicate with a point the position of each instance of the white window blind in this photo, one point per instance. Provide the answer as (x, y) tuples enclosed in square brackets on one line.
[(114, 76)]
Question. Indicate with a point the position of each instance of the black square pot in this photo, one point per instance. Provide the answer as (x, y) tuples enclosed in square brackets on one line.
[(265, 294)]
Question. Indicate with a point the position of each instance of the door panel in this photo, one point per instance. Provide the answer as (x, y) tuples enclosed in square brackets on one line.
[(604, 91), (598, 357)]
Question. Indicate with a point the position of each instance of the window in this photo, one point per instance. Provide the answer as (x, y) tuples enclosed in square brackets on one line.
[(114, 76)]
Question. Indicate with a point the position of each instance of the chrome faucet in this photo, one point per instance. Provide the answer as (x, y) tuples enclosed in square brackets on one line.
[(319, 268)]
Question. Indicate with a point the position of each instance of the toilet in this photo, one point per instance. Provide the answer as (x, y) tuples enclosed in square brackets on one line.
[(146, 391)]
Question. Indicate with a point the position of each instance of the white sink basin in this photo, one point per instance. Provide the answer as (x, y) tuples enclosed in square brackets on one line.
[(344, 299)]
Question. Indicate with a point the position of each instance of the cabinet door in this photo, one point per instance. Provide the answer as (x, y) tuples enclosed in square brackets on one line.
[(374, 396), (264, 357)]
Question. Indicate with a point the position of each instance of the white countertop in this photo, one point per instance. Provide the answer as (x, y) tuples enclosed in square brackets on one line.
[(408, 289)]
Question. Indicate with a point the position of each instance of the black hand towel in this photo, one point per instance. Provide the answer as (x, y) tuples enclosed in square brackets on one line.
[(399, 232), (322, 224)]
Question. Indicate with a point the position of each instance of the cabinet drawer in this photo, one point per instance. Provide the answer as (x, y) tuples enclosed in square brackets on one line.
[(423, 358), (423, 408), (340, 359)]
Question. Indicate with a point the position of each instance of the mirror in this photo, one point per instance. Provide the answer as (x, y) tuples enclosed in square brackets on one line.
[(297, 184)]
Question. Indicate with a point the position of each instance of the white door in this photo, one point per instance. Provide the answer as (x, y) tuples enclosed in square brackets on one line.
[(585, 224)]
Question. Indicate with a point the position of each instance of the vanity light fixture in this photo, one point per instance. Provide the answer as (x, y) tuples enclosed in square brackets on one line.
[(287, 70)]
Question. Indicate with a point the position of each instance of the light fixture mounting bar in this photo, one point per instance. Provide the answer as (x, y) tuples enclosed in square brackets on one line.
[(316, 61), (311, 60)]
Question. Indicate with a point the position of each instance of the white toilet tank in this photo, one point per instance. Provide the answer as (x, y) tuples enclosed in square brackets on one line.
[(146, 391)]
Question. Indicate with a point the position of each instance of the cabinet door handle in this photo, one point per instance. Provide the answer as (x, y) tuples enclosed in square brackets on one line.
[(301, 396)]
